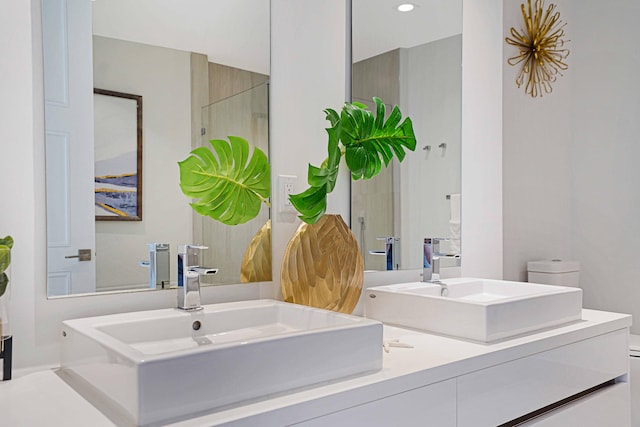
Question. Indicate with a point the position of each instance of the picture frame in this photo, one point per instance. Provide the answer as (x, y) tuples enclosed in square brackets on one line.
[(118, 155)]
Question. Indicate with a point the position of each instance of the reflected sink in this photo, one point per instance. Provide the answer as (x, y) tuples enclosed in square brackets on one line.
[(475, 309), (152, 366)]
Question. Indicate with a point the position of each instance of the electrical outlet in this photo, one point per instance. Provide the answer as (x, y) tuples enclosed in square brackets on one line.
[(286, 186), (288, 190)]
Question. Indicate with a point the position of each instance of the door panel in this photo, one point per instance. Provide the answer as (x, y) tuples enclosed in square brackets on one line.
[(68, 64)]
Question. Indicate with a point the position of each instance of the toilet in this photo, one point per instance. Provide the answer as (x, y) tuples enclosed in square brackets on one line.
[(567, 273), (554, 272)]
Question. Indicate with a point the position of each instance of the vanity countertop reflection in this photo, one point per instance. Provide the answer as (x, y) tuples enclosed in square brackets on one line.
[(432, 359)]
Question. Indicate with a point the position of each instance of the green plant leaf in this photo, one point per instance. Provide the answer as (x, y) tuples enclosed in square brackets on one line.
[(5, 257), (369, 142), (228, 188), (311, 203), (4, 282), (7, 241)]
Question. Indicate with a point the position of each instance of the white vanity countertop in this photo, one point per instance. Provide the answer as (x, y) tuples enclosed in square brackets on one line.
[(41, 398)]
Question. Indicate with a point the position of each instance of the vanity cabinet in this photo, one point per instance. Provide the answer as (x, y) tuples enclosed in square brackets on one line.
[(433, 405), (594, 369), (498, 394)]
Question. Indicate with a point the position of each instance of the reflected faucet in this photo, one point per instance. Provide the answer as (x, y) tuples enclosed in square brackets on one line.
[(189, 272), (431, 262), (158, 265), (391, 252)]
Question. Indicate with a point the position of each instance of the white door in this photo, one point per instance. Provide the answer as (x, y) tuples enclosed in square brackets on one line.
[(68, 88)]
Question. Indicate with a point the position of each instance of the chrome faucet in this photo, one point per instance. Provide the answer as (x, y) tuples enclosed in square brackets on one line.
[(158, 265), (189, 272), (431, 262), (391, 252)]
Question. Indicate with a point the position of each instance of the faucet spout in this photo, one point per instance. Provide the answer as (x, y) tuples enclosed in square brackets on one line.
[(189, 272)]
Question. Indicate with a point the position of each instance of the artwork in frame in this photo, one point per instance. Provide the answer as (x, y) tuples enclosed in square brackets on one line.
[(118, 155)]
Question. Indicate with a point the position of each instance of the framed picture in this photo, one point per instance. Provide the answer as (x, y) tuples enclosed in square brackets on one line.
[(118, 155)]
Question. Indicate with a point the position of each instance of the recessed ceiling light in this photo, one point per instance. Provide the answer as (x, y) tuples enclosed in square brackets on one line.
[(405, 7)]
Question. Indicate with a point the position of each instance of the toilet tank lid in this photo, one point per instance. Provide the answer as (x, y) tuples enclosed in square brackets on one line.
[(553, 266)]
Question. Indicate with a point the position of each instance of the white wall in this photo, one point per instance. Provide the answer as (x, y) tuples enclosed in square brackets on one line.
[(605, 152), (570, 180), (536, 150), (163, 78), (36, 320), (308, 74), (482, 138), (19, 203)]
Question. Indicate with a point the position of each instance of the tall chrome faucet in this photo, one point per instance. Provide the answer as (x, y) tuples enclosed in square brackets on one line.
[(431, 261), (189, 272)]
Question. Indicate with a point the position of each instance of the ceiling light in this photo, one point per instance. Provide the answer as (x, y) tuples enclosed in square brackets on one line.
[(406, 7)]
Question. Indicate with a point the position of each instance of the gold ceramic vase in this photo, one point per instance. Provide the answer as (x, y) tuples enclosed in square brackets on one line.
[(323, 267)]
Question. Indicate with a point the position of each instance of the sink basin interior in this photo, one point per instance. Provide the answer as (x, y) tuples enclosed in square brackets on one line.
[(148, 334), (494, 290), (148, 367), (413, 288), (476, 309)]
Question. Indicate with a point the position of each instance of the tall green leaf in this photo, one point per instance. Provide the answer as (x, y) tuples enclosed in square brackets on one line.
[(369, 142), (228, 188)]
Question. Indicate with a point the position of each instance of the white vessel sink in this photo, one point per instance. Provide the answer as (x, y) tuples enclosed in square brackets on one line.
[(153, 366), (476, 309)]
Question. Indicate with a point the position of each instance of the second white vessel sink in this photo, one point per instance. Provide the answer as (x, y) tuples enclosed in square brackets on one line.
[(153, 366), (476, 309)]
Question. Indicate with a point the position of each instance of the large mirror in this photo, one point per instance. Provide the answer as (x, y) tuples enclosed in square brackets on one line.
[(411, 59), (200, 68)]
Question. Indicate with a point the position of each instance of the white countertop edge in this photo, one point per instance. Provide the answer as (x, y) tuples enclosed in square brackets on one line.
[(433, 359)]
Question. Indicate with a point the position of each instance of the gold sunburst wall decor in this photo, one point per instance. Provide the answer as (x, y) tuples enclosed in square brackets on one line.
[(541, 44)]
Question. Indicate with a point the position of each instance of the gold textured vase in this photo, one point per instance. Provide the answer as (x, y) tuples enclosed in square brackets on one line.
[(256, 263), (323, 266)]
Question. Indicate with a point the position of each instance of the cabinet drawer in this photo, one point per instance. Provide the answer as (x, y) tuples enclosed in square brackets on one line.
[(606, 407), (433, 405), (499, 394)]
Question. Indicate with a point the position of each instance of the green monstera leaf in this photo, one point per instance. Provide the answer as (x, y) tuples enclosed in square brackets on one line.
[(229, 187), (4, 282), (368, 142), (6, 244)]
